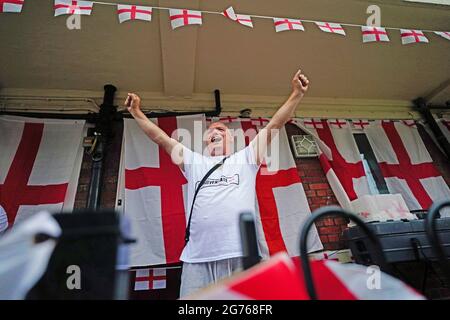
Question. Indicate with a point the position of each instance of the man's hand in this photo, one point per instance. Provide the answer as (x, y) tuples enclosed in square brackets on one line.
[(133, 103), (300, 83)]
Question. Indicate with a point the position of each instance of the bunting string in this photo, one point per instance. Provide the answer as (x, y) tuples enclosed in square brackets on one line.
[(180, 17)]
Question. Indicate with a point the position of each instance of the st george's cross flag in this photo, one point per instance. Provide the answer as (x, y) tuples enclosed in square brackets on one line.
[(14, 6), (153, 190), (374, 34), (405, 163), (331, 27), (184, 17), (73, 7), (412, 36), (282, 24), (40, 163), (132, 12)]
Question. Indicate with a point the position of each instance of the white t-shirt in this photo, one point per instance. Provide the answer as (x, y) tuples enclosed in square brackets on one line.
[(229, 191)]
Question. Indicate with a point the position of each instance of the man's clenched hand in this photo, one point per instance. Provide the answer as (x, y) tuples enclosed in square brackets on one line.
[(133, 102), (300, 83)]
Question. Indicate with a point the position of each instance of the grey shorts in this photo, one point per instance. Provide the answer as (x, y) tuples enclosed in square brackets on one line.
[(196, 276)]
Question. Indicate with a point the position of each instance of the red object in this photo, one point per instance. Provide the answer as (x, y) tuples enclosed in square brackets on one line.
[(15, 191)]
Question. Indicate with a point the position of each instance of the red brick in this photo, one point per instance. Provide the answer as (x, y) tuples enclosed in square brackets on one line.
[(318, 186), (323, 238), (329, 230), (322, 193), (310, 193)]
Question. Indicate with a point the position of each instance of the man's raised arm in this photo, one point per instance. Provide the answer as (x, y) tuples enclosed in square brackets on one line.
[(155, 133), (300, 84)]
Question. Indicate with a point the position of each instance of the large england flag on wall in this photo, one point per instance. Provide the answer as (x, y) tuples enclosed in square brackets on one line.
[(153, 188), (405, 163), (40, 161)]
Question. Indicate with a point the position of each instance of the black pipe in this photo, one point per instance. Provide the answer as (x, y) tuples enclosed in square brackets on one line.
[(103, 132), (249, 240), (334, 210), (437, 132)]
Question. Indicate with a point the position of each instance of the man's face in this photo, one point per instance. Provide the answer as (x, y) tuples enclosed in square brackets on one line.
[(218, 139)]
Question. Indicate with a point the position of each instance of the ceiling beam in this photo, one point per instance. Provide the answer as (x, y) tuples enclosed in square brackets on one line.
[(178, 49)]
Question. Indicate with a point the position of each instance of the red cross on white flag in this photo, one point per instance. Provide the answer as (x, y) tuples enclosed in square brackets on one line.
[(374, 34), (132, 12), (282, 24), (73, 7), (443, 34), (11, 5), (184, 17), (360, 123), (243, 19), (150, 279), (39, 166), (313, 123), (331, 27), (406, 165), (338, 123), (412, 36)]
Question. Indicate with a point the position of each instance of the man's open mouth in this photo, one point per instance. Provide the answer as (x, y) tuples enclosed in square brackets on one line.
[(216, 138)]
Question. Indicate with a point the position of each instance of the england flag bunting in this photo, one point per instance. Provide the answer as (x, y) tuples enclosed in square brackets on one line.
[(132, 12), (331, 27), (443, 34), (14, 6), (282, 24), (153, 192), (339, 157), (243, 19), (281, 278), (183, 17), (374, 34), (412, 36), (406, 164), (40, 163), (73, 7)]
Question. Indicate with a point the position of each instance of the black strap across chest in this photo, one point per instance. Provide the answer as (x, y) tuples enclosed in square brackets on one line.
[(214, 168)]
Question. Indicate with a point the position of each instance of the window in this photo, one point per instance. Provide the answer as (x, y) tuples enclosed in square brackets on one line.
[(377, 185)]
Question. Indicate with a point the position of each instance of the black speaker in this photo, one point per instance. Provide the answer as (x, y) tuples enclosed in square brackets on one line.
[(83, 264)]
